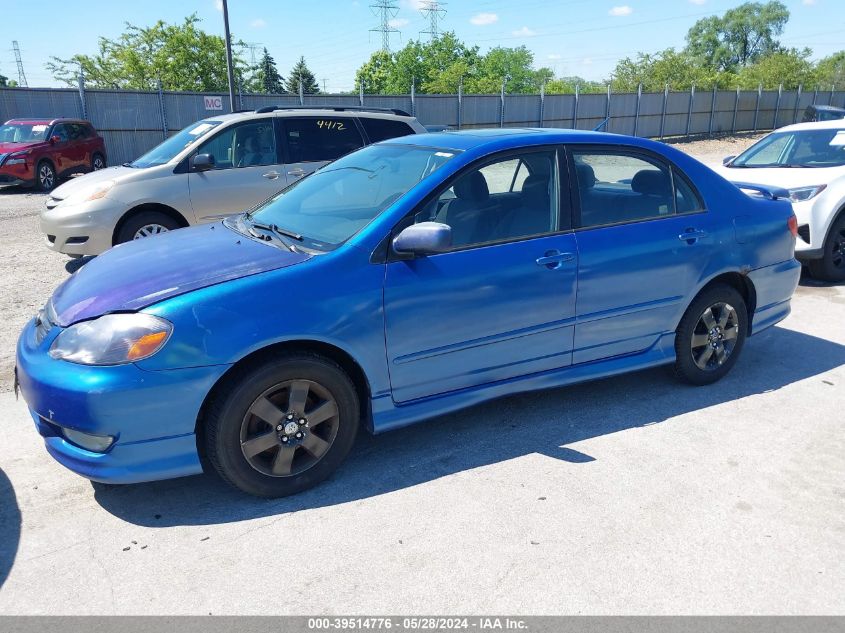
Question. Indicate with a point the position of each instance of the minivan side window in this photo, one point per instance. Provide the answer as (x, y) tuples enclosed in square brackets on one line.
[(244, 145), (381, 129), (316, 139), (616, 186)]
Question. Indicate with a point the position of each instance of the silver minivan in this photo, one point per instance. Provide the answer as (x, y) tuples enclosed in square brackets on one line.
[(209, 170)]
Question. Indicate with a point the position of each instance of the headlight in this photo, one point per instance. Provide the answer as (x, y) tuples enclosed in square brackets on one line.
[(16, 159), (800, 194), (113, 339), (92, 193)]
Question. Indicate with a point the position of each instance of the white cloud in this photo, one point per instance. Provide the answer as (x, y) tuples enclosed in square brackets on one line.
[(258, 23), (554, 56), (483, 19), (218, 4), (698, 2), (587, 61), (398, 23), (524, 32), (415, 5), (620, 11), (809, 3)]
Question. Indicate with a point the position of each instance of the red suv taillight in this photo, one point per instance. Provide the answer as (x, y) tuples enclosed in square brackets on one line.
[(792, 223)]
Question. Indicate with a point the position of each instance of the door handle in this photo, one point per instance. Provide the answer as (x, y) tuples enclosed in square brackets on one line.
[(271, 175), (691, 236), (554, 259), (296, 172)]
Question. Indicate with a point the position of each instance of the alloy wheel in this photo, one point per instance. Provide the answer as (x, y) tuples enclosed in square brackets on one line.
[(98, 163), (46, 176), (838, 246), (289, 428), (715, 336), (149, 230)]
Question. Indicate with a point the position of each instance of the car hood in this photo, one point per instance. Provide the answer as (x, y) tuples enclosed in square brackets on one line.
[(784, 177), (92, 178), (9, 148), (137, 274)]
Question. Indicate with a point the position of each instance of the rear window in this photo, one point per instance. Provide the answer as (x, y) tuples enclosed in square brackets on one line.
[(314, 139), (381, 129)]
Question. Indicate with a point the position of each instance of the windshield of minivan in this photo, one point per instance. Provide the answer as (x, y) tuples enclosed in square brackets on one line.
[(799, 148), (337, 201), (166, 150), (23, 132)]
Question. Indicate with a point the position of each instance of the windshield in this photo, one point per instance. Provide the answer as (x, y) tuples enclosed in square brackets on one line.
[(166, 150), (23, 132), (337, 201), (803, 148)]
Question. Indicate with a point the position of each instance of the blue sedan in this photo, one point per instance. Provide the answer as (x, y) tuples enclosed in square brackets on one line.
[(406, 280)]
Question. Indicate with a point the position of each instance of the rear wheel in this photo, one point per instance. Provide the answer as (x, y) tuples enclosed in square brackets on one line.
[(98, 162), (711, 335), (831, 266), (45, 176), (145, 224), (282, 427)]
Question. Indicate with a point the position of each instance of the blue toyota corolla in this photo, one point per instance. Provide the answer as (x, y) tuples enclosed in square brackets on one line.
[(406, 280)]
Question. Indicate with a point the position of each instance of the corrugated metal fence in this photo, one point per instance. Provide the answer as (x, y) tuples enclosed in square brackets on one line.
[(132, 122)]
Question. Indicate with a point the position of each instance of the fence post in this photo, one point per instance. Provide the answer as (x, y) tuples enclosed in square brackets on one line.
[(777, 107), (607, 111), (575, 107), (361, 93), (542, 102), (162, 110), (736, 107), (81, 82), (712, 113), (460, 100), (240, 95), (815, 95), (797, 101), (637, 111), (301, 95), (502, 105), (663, 112), (757, 105), (689, 111), (832, 88), (413, 97)]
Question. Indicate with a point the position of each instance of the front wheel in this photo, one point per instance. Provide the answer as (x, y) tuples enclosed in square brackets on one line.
[(283, 426), (831, 266), (711, 335), (145, 224), (45, 176)]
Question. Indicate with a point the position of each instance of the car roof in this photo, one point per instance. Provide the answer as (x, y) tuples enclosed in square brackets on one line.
[(307, 111), (32, 121), (827, 108), (835, 124)]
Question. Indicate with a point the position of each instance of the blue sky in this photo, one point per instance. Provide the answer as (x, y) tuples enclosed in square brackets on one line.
[(573, 37)]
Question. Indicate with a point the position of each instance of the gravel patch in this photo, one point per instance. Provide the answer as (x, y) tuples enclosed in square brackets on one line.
[(29, 271)]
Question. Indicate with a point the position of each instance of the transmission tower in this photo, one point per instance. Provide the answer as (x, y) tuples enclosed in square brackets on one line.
[(21, 75), (253, 46), (433, 11), (385, 11)]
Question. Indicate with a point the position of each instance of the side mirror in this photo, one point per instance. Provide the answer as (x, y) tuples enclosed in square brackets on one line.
[(202, 162), (425, 238), (55, 139), (727, 159)]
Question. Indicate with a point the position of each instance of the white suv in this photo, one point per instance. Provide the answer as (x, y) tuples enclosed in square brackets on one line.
[(209, 170), (808, 160)]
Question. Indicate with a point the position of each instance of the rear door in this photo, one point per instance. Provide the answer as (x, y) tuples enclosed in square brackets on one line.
[(247, 170), (78, 146), (644, 240), (309, 142), (62, 152)]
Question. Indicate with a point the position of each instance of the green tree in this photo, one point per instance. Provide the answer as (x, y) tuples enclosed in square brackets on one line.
[(377, 73), (182, 56), (4, 81), (830, 71), (512, 65), (740, 37), (678, 69), (267, 78), (790, 68), (300, 73)]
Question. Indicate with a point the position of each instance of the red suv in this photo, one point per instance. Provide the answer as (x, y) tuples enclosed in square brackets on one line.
[(37, 152)]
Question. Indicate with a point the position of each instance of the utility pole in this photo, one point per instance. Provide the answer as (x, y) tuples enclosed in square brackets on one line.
[(324, 84), (433, 11), (229, 70), (21, 75), (385, 11)]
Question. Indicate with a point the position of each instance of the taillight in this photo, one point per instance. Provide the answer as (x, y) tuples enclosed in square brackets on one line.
[(792, 223)]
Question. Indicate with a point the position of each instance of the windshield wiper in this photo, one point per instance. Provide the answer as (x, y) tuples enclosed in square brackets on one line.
[(275, 228), (128, 165)]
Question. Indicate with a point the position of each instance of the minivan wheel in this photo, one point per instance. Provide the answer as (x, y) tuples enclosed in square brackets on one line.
[(831, 266), (282, 427), (45, 176), (98, 162), (711, 335), (145, 224)]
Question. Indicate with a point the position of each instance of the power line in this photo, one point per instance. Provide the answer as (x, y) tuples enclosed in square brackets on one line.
[(253, 46), (385, 11), (21, 75), (433, 11)]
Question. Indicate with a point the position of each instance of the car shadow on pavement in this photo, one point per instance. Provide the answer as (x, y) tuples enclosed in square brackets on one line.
[(543, 422), (10, 526)]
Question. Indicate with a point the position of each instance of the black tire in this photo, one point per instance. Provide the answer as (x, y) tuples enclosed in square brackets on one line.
[(831, 266), (98, 161), (45, 176), (231, 424), (139, 223), (703, 364)]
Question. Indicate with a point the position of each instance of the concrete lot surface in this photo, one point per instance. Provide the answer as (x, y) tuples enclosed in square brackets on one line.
[(631, 495)]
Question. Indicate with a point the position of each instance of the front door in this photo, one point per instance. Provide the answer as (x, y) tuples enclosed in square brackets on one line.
[(247, 171), (644, 240), (501, 303)]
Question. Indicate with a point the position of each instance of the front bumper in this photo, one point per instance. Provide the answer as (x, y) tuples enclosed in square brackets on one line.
[(151, 414), (82, 229), (20, 174)]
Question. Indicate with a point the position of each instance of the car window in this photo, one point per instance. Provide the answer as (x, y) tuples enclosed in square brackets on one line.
[(483, 205), (617, 186), (313, 139), (243, 145), (76, 132), (381, 129), (61, 131)]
